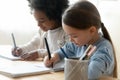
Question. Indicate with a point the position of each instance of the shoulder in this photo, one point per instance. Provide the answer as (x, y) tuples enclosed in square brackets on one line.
[(104, 49), (104, 44)]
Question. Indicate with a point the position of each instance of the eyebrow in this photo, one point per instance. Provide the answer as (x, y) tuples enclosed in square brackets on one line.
[(41, 18), (72, 34)]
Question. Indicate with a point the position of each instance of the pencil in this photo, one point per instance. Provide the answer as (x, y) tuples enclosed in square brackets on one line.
[(48, 50), (13, 38), (63, 52), (86, 51), (90, 53)]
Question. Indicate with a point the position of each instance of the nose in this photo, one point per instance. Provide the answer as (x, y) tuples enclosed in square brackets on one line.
[(39, 24), (71, 39)]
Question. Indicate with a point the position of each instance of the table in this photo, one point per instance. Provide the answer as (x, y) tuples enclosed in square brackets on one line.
[(47, 76), (108, 78)]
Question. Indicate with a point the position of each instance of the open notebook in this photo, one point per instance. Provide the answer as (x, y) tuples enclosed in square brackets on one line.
[(28, 69), (5, 52), (24, 69)]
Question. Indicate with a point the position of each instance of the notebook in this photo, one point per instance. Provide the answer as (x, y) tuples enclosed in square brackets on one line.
[(5, 52), (24, 70), (28, 69), (56, 67)]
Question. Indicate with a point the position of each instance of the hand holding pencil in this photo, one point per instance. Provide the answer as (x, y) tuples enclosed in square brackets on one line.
[(50, 59), (49, 62), (16, 51)]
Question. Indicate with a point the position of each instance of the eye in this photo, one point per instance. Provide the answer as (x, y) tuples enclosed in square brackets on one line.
[(74, 36), (41, 21)]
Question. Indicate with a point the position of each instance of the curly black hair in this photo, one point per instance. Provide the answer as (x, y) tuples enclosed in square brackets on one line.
[(52, 8)]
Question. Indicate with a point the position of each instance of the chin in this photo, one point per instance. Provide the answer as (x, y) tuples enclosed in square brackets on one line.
[(78, 44), (45, 30)]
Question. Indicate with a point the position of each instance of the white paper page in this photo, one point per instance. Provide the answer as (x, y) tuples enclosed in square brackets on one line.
[(56, 67), (5, 52), (24, 70), (59, 66)]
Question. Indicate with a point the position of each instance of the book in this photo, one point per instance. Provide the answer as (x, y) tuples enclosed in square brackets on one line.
[(57, 66), (24, 70), (29, 69), (5, 52)]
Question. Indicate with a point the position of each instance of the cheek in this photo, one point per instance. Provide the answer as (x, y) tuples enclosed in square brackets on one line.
[(48, 24), (82, 40)]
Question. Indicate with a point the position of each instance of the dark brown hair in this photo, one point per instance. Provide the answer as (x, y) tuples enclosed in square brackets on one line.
[(83, 15), (52, 8)]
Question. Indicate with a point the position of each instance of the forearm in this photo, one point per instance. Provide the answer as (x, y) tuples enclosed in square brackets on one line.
[(98, 68), (94, 70), (42, 53), (31, 45)]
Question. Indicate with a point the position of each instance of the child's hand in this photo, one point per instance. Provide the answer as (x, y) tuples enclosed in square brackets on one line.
[(16, 51), (33, 55), (49, 63)]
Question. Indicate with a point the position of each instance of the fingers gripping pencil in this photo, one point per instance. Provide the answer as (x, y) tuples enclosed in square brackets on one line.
[(48, 50)]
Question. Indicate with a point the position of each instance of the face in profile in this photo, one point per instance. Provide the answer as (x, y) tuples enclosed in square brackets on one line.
[(43, 21), (77, 36)]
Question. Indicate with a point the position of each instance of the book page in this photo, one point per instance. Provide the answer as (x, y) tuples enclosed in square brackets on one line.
[(24, 69), (5, 52), (59, 66)]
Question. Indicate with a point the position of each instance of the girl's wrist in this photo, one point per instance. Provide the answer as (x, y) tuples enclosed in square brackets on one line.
[(56, 57)]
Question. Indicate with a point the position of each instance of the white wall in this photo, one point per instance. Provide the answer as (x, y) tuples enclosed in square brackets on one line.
[(15, 18), (110, 13)]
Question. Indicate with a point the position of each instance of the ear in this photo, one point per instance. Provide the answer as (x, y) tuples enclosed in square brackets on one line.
[(92, 29)]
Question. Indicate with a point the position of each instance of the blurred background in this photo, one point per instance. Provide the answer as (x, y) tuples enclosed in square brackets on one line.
[(15, 18)]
